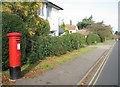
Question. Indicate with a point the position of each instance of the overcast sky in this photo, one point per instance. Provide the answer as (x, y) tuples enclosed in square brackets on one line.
[(76, 10)]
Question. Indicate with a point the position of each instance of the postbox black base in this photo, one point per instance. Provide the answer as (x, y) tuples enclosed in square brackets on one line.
[(15, 73)]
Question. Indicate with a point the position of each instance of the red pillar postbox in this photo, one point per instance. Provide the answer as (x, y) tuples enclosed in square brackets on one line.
[(14, 55)]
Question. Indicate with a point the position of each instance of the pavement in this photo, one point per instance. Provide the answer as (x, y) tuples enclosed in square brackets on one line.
[(69, 73)]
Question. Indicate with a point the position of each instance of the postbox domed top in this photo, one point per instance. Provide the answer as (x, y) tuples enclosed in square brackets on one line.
[(14, 34)]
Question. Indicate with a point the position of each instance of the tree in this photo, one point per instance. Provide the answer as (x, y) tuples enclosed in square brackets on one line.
[(104, 31), (63, 26), (25, 10), (116, 32), (85, 22), (28, 12)]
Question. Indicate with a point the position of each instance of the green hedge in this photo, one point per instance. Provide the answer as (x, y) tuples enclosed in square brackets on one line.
[(43, 27), (54, 46), (40, 45), (93, 38), (11, 23)]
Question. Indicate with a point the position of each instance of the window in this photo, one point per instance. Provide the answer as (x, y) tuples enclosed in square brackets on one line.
[(42, 12), (49, 11)]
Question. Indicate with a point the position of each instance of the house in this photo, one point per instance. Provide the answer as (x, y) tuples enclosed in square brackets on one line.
[(49, 11), (84, 32), (71, 28)]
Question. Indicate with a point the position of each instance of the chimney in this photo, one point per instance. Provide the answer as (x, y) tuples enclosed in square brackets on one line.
[(70, 22)]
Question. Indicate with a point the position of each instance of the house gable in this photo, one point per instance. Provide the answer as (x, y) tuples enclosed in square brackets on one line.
[(71, 28)]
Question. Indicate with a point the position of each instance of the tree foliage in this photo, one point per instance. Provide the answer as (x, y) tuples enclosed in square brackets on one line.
[(104, 31), (25, 10), (28, 12), (117, 33), (63, 26), (85, 22)]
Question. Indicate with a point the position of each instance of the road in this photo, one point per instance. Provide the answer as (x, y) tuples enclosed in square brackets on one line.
[(109, 74)]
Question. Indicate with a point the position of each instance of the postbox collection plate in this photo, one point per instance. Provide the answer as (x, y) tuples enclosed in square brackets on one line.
[(18, 46)]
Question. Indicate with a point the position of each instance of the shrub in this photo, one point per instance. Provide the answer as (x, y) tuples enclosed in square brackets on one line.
[(37, 27), (43, 27), (93, 38), (102, 38), (55, 46), (11, 23)]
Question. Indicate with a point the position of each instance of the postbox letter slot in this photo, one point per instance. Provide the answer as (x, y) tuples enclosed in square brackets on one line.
[(17, 40)]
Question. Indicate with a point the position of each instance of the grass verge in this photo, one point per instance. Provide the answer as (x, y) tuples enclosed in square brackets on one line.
[(50, 63), (104, 43)]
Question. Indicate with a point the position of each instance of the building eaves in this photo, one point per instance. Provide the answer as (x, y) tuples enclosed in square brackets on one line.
[(55, 6), (52, 4)]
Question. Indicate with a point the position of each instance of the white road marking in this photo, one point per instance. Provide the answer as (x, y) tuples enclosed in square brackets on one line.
[(100, 68)]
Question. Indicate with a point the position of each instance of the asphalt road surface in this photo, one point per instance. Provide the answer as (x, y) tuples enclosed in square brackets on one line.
[(109, 74)]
